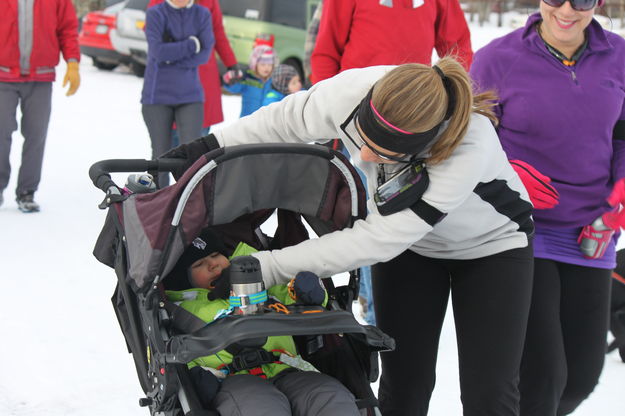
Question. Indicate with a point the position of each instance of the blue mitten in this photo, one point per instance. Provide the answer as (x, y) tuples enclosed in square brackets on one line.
[(309, 289)]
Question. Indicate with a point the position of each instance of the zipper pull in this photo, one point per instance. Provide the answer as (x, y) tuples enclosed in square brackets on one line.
[(574, 76)]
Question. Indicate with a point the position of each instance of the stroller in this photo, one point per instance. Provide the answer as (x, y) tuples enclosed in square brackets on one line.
[(145, 234)]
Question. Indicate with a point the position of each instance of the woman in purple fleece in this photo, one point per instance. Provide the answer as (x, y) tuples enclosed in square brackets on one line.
[(561, 83), (180, 38)]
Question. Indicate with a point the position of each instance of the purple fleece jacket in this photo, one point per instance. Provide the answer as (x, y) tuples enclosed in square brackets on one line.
[(560, 120), (171, 73)]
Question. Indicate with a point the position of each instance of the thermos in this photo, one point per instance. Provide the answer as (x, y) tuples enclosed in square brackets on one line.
[(247, 294), (140, 183)]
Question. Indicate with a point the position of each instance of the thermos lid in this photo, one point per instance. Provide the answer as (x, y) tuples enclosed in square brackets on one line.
[(245, 269)]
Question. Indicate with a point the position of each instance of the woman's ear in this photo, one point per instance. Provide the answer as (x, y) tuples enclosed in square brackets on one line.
[(600, 3)]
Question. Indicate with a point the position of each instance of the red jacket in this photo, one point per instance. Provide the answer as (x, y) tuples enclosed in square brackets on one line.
[(209, 73), (54, 30), (359, 33)]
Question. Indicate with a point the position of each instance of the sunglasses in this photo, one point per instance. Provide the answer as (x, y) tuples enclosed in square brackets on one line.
[(361, 142), (579, 5)]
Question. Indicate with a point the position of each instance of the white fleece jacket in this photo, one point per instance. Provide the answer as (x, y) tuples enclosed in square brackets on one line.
[(488, 210)]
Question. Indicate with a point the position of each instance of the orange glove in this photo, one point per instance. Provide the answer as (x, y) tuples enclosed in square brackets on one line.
[(73, 77)]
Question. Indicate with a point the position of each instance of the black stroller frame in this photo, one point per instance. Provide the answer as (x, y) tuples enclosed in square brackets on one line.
[(136, 241)]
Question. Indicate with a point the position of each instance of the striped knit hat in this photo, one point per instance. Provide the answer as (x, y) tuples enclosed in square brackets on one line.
[(281, 76), (263, 54)]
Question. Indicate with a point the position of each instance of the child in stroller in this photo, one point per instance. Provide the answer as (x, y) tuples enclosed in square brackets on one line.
[(270, 386)]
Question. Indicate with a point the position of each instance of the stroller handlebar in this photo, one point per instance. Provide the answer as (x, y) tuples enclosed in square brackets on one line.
[(100, 171)]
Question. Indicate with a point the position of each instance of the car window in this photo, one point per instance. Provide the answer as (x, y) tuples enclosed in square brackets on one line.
[(288, 12), (137, 4), (247, 9)]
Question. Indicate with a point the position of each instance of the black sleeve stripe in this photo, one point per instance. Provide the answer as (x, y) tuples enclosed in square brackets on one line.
[(427, 212), (619, 130)]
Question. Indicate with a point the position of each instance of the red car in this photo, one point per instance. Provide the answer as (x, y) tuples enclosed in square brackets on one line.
[(94, 38)]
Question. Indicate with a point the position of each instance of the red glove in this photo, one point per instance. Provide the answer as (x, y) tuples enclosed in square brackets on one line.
[(542, 194), (616, 219)]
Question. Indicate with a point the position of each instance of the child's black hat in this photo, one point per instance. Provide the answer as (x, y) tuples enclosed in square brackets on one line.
[(205, 244)]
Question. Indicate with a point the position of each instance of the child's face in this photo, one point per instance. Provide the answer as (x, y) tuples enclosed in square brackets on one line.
[(264, 70), (295, 84), (206, 270)]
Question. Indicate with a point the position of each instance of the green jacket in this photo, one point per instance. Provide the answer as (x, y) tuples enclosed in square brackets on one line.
[(196, 301)]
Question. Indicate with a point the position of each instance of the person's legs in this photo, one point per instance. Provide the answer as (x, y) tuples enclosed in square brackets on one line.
[(189, 118), (491, 301), (316, 394), (617, 315), (36, 105), (411, 293), (158, 119), (244, 395), (584, 313), (543, 367), (9, 99)]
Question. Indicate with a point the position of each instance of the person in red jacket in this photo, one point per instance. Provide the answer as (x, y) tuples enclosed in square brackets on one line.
[(33, 35), (360, 33), (209, 73)]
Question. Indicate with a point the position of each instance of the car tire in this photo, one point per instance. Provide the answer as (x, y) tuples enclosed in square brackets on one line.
[(137, 68), (103, 65)]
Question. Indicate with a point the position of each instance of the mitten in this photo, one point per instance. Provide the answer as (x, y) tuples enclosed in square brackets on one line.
[(308, 289), (191, 152), (616, 219), (73, 77), (220, 288), (232, 75), (542, 194)]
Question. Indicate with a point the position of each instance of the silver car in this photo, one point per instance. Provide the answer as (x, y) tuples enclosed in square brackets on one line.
[(128, 37)]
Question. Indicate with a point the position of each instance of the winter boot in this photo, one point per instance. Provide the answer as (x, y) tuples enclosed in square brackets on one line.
[(26, 203)]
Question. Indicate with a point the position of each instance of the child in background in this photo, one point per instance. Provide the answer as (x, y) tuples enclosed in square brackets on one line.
[(255, 83), (284, 81)]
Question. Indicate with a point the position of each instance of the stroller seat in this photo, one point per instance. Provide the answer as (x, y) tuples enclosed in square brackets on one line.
[(145, 234)]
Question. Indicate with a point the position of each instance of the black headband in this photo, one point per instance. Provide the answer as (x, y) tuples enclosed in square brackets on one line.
[(392, 138)]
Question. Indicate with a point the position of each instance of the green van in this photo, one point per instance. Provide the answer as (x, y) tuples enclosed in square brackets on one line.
[(286, 20)]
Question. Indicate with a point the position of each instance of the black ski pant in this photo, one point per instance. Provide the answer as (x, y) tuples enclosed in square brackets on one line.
[(490, 298), (566, 337)]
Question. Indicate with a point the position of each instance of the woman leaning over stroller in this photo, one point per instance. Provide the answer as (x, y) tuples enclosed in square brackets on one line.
[(180, 39), (561, 80), (468, 232)]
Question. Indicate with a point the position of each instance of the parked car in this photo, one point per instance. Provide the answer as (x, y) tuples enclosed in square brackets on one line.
[(128, 37), (94, 38), (284, 20)]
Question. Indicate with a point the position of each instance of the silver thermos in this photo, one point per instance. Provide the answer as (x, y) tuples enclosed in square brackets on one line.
[(246, 283)]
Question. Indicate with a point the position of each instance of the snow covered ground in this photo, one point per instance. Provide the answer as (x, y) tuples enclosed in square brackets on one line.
[(61, 351)]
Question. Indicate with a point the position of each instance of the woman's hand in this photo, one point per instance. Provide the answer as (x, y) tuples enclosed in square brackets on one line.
[(542, 194)]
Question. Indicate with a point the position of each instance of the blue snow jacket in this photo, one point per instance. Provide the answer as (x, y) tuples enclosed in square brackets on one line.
[(273, 96), (171, 73), (252, 90)]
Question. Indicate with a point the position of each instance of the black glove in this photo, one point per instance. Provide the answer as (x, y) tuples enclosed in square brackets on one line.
[(191, 152), (232, 75), (220, 288)]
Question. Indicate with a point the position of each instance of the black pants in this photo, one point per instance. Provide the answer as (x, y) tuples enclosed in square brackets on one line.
[(566, 337), (491, 299)]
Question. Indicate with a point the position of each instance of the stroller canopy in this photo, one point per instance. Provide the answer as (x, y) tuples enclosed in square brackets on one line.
[(314, 181)]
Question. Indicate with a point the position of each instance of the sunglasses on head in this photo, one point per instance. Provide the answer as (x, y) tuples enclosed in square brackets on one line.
[(579, 5)]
